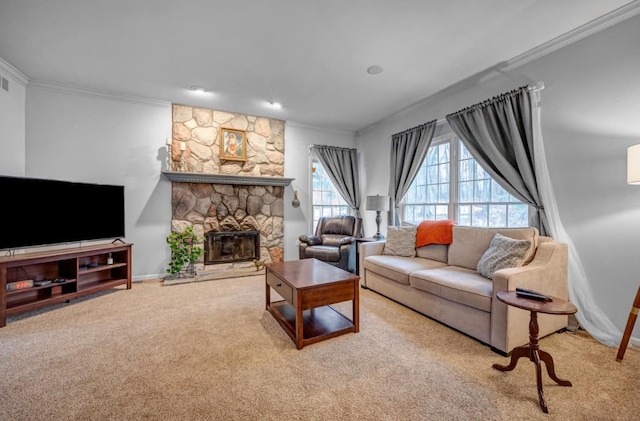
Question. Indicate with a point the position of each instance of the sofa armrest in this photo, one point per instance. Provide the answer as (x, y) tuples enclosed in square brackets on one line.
[(372, 248), (346, 240), (547, 273), (311, 240)]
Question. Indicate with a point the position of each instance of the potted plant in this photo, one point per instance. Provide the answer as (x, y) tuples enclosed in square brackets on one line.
[(185, 250)]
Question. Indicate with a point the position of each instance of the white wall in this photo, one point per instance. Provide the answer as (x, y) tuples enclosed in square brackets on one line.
[(76, 137), (12, 121), (298, 138), (590, 115)]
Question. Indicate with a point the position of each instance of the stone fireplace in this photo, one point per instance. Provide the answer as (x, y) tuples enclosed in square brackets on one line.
[(225, 201), (232, 209)]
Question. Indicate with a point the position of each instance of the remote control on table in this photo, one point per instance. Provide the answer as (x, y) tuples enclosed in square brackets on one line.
[(522, 292), (529, 291)]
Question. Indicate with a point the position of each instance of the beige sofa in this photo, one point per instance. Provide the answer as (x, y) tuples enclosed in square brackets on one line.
[(442, 283)]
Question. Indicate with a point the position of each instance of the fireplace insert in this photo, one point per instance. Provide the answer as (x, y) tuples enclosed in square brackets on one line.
[(231, 246)]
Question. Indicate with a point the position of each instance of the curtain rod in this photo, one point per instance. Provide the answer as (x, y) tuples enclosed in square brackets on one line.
[(330, 147), (536, 88)]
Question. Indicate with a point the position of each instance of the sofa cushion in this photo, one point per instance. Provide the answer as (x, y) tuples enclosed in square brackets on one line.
[(398, 268), (326, 253), (437, 252), (461, 285), (470, 243), (503, 252), (401, 241), (339, 225)]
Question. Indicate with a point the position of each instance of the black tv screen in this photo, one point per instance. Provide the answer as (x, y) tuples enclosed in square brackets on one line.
[(41, 212)]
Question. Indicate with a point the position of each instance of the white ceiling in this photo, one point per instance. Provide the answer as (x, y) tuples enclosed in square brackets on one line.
[(309, 55)]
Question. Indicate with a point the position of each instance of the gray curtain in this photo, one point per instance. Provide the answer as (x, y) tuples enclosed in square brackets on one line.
[(499, 135), (408, 150), (341, 165)]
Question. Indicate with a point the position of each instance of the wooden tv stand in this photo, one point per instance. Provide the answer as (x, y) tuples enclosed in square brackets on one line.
[(85, 270)]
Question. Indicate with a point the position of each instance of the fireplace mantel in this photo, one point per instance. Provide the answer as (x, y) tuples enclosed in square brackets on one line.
[(242, 180)]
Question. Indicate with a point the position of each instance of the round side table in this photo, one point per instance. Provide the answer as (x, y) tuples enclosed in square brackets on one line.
[(532, 350)]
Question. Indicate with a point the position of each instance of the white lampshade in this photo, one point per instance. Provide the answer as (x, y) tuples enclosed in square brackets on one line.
[(633, 164), (378, 203)]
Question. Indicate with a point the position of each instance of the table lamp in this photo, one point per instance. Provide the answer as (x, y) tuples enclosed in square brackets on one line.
[(378, 203)]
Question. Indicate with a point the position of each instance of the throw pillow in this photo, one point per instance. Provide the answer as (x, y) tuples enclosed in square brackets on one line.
[(401, 241), (503, 252), (435, 232)]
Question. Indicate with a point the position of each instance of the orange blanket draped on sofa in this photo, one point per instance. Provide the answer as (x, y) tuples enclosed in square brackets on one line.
[(435, 232)]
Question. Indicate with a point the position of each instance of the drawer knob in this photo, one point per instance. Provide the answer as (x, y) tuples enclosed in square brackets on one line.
[(278, 285)]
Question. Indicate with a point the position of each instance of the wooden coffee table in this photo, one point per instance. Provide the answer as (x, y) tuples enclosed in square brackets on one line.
[(532, 351), (308, 287)]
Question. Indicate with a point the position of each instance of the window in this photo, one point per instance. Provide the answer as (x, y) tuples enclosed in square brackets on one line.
[(325, 199), (451, 185)]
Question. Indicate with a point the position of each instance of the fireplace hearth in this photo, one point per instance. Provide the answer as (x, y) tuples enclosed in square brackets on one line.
[(231, 246)]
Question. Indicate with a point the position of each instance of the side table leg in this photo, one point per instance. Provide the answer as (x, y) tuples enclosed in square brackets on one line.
[(548, 360), (516, 354), (536, 360)]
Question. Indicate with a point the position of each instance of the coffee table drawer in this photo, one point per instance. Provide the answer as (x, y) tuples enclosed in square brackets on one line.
[(280, 287)]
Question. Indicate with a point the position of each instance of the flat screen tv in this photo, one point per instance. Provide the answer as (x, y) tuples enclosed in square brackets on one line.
[(38, 212)]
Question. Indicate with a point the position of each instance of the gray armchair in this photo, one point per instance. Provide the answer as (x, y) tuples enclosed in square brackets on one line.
[(333, 242)]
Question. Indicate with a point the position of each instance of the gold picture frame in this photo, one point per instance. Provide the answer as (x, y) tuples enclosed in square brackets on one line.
[(233, 145)]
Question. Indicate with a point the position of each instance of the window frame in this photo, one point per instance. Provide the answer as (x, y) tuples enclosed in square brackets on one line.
[(454, 205), (314, 165)]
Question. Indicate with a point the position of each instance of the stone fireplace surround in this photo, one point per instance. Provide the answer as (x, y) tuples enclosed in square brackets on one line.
[(220, 208), (214, 195)]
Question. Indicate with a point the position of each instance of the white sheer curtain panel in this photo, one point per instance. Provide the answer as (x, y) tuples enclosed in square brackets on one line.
[(589, 315)]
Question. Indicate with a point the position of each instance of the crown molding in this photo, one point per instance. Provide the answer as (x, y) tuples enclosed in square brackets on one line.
[(603, 22), (320, 128), (91, 93), (15, 73)]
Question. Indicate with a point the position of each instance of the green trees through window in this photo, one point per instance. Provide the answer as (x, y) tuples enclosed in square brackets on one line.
[(326, 201), (451, 185)]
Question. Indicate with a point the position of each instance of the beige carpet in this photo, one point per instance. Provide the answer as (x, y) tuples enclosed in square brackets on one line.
[(209, 350)]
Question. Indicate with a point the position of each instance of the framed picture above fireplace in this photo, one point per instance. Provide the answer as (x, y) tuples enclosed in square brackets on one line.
[(233, 145)]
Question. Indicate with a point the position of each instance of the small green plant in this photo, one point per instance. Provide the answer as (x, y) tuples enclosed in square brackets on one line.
[(184, 250)]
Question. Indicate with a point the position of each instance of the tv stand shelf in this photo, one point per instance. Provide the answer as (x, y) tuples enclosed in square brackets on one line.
[(101, 268), (85, 269)]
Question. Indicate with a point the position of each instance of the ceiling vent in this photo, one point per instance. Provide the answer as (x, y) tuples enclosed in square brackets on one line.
[(4, 83)]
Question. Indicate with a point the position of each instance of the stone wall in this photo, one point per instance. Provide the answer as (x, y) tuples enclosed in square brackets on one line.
[(222, 207), (217, 207), (200, 128)]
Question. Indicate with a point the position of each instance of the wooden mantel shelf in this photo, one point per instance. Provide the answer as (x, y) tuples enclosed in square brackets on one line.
[(242, 180)]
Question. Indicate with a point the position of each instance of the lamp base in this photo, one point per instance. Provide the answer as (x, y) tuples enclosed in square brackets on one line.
[(378, 236)]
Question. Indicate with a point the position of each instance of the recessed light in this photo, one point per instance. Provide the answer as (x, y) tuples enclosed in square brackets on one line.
[(199, 89), (275, 105), (374, 70)]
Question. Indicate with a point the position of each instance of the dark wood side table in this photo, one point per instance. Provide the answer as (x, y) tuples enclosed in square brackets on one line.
[(532, 350)]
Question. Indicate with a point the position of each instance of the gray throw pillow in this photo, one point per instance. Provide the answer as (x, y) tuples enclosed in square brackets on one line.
[(503, 252), (401, 241)]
